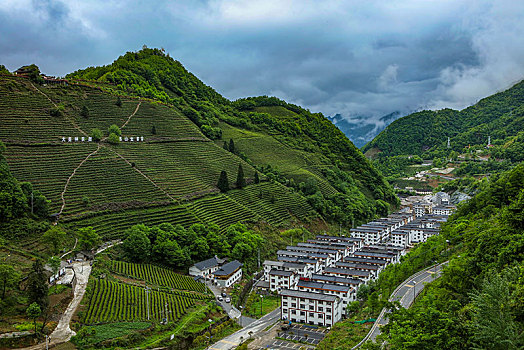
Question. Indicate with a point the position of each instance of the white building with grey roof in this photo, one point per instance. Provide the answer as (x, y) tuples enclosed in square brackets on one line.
[(310, 308)]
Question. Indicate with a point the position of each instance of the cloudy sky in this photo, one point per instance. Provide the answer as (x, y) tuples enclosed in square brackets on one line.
[(356, 58)]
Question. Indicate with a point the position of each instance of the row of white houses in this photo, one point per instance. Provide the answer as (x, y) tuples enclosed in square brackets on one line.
[(317, 279)]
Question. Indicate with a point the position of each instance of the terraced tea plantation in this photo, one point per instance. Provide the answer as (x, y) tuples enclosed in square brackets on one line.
[(158, 276), (113, 224), (169, 177), (113, 302)]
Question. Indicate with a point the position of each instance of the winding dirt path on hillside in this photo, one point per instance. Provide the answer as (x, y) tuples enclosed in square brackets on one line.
[(144, 175), (132, 115), (56, 106), (62, 195)]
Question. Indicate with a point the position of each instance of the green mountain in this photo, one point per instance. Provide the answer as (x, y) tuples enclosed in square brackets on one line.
[(310, 173), (499, 117)]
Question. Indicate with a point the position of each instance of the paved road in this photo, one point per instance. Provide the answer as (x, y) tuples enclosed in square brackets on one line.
[(405, 294), (232, 311), (256, 327)]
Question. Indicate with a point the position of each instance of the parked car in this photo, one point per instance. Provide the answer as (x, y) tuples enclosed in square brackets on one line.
[(219, 298), (224, 294), (228, 300)]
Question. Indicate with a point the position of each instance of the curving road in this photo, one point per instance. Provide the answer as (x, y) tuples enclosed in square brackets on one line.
[(232, 341), (405, 294)]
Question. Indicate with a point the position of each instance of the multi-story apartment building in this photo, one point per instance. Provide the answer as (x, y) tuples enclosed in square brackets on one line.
[(311, 308)]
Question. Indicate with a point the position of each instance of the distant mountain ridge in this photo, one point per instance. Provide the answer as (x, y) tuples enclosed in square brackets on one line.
[(360, 130), (498, 119)]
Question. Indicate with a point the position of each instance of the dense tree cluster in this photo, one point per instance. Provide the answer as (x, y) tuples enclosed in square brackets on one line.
[(18, 199), (179, 247)]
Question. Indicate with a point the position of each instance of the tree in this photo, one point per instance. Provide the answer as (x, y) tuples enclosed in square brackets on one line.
[(114, 129), (36, 201), (199, 249), (118, 101), (223, 183), (54, 237), (88, 238), (153, 130), (54, 264), (241, 181), (257, 178), (4, 70), (113, 139), (137, 245), (8, 277), (231, 146), (225, 146), (493, 323), (96, 134), (84, 112), (37, 286), (33, 311)]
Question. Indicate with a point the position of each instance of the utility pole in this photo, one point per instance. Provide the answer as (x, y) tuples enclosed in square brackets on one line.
[(261, 297), (258, 257), (414, 294), (147, 300)]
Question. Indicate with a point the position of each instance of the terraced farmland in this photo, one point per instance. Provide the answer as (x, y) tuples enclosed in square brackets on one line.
[(266, 150), (112, 225), (273, 202), (103, 112), (47, 167), (113, 302), (222, 210), (185, 168), (158, 276), (24, 114), (106, 179)]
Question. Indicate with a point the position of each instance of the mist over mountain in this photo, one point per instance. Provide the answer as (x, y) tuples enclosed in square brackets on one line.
[(360, 130)]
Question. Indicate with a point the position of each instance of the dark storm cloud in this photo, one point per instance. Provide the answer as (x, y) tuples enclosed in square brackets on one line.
[(354, 58)]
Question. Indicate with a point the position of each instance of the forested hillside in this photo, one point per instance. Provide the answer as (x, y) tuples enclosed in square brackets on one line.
[(143, 141), (479, 300), (425, 133)]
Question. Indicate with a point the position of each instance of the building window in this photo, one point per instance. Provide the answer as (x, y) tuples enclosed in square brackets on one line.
[(302, 306), (284, 303), (293, 312), (328, 317), (302, 313), (293, 304), (320, 309), (311, 314), (311, 307)]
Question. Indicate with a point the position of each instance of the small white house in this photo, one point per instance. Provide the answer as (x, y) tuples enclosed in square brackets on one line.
[(206, 268), (228, 274)]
